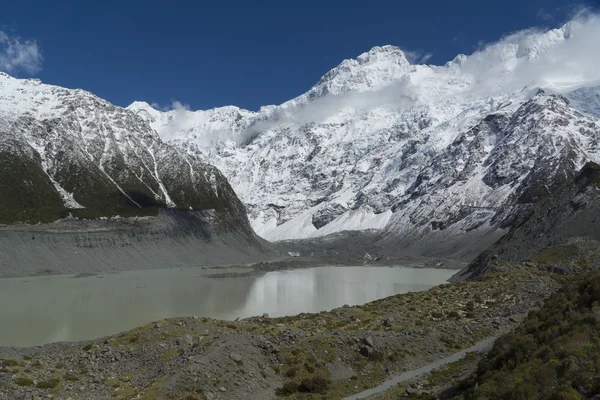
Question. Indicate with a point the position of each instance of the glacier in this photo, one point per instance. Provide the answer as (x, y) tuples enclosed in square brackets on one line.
[(380, 143)]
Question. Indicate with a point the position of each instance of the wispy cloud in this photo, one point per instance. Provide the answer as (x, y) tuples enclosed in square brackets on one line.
[(18, 54), (560, 59), (544, 15), (174, 106), (417, 57)]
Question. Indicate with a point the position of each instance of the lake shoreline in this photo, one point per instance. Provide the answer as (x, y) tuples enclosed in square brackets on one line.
[(70, 308), (355, 347)]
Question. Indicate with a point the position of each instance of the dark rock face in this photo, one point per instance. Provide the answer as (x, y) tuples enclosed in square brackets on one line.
[(26, 192), (569, 210), (107, 177), (67, 153), (491, 177), (327, 214)]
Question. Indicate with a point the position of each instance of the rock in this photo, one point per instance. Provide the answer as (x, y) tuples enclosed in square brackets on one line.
[(387, 322), (235, 357), (369, 341), (366, 351), (412, 391), (280, 358), (222, 389), (265, 315), (188, 340)]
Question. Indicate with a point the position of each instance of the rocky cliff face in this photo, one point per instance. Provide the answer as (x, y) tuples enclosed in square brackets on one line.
[(561, 226), (423, 153), (67, 153)]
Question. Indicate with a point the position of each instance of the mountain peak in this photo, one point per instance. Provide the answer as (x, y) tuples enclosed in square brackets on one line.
[(383, 53), (369, 71)]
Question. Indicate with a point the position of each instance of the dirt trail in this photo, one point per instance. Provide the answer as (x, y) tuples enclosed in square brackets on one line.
[(405, 376)]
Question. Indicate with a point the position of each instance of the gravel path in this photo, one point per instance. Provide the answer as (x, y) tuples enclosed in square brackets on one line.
[(405, 376)]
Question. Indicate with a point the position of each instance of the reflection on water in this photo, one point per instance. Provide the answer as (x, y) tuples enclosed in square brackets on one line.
[(47, 309)]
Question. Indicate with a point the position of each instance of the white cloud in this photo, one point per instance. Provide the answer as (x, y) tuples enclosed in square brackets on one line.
[(417, 57), (560, 59), (174, 106), (425, 58), (17, 54)]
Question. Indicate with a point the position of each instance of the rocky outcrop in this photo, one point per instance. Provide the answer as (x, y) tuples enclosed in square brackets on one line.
[(564, 219), (69, 156)]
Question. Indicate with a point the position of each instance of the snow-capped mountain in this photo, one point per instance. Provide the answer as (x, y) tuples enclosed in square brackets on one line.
[(67, 151), (380, 143)]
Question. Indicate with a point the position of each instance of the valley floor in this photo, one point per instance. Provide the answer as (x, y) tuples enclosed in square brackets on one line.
[(330, 355)]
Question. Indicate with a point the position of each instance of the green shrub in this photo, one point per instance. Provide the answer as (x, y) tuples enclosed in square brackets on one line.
[(10, 363), (309, 368), (70, 377), (49, 384), (470, 306), (287, 389), (552, 355), (24, 381), (318, 383)]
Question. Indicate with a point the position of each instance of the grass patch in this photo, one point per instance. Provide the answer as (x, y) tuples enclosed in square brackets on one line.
[(22, 381), (49, 384), (169, 355), (69, 376), (316, 383)]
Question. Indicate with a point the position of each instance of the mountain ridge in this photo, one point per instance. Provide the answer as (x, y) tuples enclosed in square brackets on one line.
[(350, 151), (89, 186)]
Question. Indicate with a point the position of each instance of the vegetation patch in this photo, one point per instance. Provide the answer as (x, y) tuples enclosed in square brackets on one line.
[(169, 355), (10, 363), (49, 384), (22, 381), (552, 355), (315, 383)]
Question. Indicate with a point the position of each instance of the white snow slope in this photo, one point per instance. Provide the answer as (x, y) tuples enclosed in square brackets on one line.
[(379, 143), (96, 158)]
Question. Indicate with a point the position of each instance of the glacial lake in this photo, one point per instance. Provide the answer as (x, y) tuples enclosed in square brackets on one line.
[(39, 310)]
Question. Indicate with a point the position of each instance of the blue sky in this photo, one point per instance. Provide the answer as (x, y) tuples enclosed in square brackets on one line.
[(245, 53)]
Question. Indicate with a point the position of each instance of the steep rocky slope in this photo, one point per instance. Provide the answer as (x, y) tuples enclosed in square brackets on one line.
[(425, 153), (67, 153), (560, 229)]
